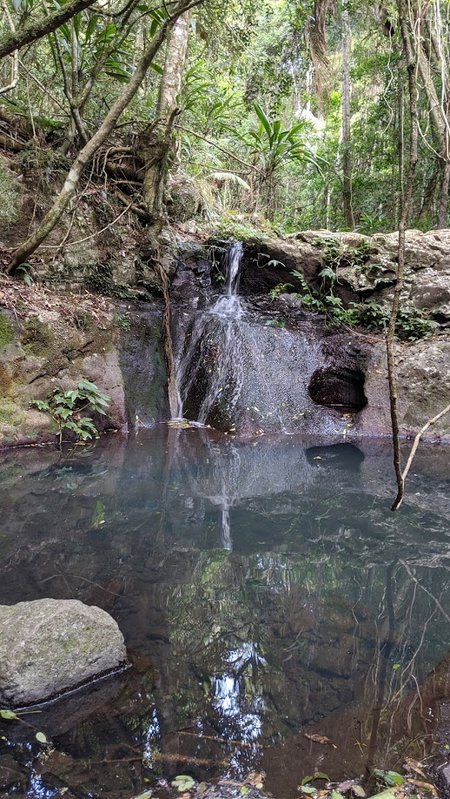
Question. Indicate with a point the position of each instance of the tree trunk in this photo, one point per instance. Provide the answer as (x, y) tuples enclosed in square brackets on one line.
[(346, 128), (445, 182), (158, 139), (410, 53), (85, 155)]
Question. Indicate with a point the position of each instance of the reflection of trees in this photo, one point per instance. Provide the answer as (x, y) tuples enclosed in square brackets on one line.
[(302, 623)]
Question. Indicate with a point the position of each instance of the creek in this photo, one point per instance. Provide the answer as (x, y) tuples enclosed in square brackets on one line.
[(265, 592)]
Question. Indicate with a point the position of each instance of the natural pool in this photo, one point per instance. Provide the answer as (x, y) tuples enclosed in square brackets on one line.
[(266, 594)]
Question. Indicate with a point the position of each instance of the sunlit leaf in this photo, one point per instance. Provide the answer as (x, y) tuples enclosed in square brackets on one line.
[(8, 714)]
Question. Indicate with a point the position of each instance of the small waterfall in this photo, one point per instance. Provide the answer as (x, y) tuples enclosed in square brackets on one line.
[(209, 371)]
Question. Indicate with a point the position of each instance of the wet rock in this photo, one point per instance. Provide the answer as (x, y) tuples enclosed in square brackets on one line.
[(50, 646), (338, 388), (291, 371)]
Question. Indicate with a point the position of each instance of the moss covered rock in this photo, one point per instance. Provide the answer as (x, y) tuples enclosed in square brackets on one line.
[(50, 646)]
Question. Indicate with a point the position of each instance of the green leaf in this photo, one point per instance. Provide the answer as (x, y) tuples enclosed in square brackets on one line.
[(389, 777), (183, 782), (8, 714), (358, 790), (145, 795), (265, 122), (336, 795), (41, 737)]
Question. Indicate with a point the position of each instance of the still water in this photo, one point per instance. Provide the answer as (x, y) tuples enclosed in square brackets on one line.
[(267, 595)]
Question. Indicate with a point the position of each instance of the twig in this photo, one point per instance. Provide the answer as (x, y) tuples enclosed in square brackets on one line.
[(425, 590), (218, 147), (419, 436), (91, 235)]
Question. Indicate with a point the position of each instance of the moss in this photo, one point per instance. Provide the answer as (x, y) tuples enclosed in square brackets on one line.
[(36, 336), (98, 278), (10, 413), (6, 331), (5, 380)]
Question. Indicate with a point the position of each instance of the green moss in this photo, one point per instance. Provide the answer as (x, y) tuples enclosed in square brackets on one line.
[(10, 413), (9, 193), (36, 336), (6, 331)]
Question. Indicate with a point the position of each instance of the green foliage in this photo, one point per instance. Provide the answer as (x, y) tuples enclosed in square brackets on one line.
[(182, 783), (281, 288), (23, 273), (389, 778), (66, 409), (413, 325)]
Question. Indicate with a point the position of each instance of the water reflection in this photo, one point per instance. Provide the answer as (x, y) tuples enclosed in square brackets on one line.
[(264, 590)]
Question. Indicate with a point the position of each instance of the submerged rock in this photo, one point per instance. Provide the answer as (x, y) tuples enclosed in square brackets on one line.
[(49, 646)]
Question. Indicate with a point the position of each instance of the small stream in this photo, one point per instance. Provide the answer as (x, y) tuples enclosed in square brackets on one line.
[(265, 592)]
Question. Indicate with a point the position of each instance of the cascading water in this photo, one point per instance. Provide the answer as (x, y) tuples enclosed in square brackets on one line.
[(209, 370)]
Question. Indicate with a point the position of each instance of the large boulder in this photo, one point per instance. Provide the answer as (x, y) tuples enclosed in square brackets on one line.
[(50, 646)]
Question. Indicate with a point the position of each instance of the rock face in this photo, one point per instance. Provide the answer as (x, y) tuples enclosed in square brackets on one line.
[(293, 371), (51, 340), (296, 373), (50, 646)]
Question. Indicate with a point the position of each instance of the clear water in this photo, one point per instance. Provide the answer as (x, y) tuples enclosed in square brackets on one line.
[(265, 592)]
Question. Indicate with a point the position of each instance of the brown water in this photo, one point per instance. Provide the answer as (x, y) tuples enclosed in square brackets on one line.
[(264, 590)]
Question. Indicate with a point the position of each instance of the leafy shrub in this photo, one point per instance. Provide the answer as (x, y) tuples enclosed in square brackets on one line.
[(66, 409)]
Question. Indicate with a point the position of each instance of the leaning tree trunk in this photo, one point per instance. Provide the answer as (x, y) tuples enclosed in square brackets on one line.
[(346, 128), (157, 143), (68, 190), (410, 53)]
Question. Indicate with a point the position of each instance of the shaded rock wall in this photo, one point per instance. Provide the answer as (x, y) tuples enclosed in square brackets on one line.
[(50, 340)]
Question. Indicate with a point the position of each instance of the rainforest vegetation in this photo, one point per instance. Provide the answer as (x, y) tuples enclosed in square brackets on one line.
[(297, 114)]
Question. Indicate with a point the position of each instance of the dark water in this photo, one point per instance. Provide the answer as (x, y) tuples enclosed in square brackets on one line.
[(265, 592)]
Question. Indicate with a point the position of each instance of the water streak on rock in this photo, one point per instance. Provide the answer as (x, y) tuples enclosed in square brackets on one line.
[(210, 364)]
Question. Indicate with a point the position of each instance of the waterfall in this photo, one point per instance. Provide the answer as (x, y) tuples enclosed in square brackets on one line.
[(209, 369)]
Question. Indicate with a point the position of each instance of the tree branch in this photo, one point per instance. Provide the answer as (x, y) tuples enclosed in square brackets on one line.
[(32, 31), (218, 147)]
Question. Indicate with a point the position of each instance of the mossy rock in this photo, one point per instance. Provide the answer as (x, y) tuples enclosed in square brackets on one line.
[(36, 337), (10, 413), (6, 331)]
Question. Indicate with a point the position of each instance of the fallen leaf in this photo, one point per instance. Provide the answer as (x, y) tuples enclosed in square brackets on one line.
[(424, 786), (415, 767), (320, 739)]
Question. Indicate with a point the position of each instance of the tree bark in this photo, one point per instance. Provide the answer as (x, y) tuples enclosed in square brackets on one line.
[(32, 31), (158, 140), (88, 151), (346, 119), (410, 54)]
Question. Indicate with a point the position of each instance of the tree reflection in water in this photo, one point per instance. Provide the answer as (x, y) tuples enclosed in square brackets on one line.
[(264, 590)]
